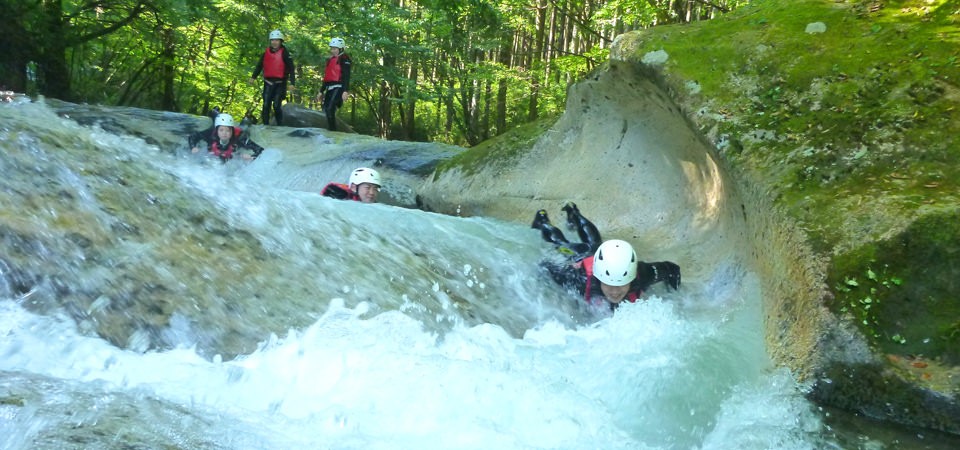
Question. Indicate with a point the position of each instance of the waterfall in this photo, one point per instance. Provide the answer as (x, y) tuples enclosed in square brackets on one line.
[(153, 298)]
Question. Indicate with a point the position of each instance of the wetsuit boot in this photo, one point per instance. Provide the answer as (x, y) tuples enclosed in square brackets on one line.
[(586, 230)]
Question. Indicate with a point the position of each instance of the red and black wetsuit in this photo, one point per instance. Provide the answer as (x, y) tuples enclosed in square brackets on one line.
[(277, 67)]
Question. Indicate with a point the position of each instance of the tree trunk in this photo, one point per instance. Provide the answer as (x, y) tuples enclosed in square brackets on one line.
[(168, 70), (52, 63), (385, 106), (385, 110), (410, 100), (13, 65), (533, 110), (485, 117), (500, 121)]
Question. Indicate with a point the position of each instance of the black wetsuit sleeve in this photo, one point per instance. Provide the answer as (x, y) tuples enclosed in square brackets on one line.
[(288, 66), (335, 191), (345, 64), (566, 275), (245, 142), (204, 135), (258, 68)]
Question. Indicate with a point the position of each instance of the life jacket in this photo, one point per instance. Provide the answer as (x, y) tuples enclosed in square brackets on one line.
[(273, 66), (332, 72), (587, 264), (339, 191), (225, 152)]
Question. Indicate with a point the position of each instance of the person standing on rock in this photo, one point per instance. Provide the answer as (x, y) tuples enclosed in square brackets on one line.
[(277, 67), (336, 82), (364, 187), (604, 273)]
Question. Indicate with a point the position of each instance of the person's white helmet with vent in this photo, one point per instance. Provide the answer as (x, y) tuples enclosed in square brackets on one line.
[(615, 263), (365, 175), (337, 42), (223, 120), (276, 34)]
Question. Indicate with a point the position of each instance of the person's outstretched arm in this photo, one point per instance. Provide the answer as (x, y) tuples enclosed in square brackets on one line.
[(256, 70), (334, 190), (195, 138), (566, 275), (248, 143)]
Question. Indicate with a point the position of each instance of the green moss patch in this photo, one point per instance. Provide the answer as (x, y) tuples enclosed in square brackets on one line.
[(873, 97), (904, 292), (501, 150), (855, 126)]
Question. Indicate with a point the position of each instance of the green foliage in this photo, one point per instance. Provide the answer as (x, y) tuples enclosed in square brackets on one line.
[(861, 296), (458, 71)]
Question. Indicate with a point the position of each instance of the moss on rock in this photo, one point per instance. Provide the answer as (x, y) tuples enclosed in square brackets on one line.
[(904, 292), (853, 133)]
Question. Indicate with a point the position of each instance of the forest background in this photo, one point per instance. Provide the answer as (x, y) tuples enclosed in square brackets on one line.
[(454, 71)]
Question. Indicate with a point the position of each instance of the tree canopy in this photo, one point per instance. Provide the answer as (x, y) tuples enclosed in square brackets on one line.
[(457, 71)]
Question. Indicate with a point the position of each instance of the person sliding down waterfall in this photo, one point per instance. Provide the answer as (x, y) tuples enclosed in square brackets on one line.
[(224, 139), (602, 272), (364, 187)]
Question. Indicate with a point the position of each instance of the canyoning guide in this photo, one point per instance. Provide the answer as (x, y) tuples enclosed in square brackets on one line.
[(277, 67)]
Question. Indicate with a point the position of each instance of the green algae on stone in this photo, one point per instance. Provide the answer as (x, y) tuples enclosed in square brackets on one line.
[(499, 150), (914, 290)]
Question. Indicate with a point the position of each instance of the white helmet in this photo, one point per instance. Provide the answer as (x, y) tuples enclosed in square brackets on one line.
[(276, 34), (223, 120), (337, 42), (615, 263), (365, 175)]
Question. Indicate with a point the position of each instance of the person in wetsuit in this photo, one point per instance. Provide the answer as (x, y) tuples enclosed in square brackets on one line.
[(607, 272), (223, 139), (277, 67), (364, 186), (336, 82)]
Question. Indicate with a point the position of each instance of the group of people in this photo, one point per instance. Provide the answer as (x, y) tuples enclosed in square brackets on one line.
[(604, 272), (277, 68), (279, 77)]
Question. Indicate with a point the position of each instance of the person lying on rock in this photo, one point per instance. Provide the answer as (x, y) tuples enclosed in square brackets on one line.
[(223, 139), (607, 272), (364, 187)]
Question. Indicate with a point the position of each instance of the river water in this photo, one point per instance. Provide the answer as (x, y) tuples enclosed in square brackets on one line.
[(372, 327)]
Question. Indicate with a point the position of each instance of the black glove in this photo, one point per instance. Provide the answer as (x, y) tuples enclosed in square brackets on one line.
[(666, 271), (336, 192)]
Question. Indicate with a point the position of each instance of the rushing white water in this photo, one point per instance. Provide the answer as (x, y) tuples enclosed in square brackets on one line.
[(426, 332)]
